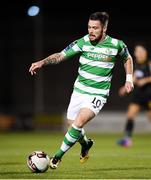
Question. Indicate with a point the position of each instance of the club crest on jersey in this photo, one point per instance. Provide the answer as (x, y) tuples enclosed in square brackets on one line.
[(92, 48), (108, 51)]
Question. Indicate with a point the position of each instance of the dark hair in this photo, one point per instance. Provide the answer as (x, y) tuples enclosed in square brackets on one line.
[(142, 44), (103, 17)]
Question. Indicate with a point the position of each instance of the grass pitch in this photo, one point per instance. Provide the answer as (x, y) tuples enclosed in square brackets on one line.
[(107, 161)]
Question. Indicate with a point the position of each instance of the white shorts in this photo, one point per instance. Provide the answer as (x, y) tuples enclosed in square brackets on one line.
[(78, 101)]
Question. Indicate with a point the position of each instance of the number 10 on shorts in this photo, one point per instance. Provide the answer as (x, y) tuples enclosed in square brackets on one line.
[(96, 103)]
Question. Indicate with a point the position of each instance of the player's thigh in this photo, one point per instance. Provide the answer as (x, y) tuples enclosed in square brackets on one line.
[(133, 109), (84, 116), (90, 107), (94, 103), (74, 107)]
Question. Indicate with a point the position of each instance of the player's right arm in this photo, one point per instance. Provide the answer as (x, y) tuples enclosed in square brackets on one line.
[(52, 59), (70, 51)]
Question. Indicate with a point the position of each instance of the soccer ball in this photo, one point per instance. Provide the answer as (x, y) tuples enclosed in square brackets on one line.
[(38, 161)]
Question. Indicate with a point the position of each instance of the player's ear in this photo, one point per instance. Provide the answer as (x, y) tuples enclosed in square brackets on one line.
[(104, 29)]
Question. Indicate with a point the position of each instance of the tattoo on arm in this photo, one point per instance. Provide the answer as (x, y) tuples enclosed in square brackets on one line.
[(54, 59)]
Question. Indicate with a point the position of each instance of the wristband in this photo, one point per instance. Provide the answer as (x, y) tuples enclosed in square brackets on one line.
[(129, 78)]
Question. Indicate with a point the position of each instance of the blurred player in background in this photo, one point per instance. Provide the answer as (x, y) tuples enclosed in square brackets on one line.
[(141, 96), (98, 54)]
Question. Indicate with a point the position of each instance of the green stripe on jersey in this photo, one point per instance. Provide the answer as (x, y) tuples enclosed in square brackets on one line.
[(94, 84), (96, 70), (84, 92)]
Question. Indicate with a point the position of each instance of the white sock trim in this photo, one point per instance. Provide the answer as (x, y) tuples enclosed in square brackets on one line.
[(70, 139), (75, 127), (64, 147), (82, 132)]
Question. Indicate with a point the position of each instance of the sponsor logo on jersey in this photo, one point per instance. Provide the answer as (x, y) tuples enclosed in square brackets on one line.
[(101, 57)]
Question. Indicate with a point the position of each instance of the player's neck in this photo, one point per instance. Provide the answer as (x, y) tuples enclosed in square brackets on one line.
[(102, 38), (94, 43)]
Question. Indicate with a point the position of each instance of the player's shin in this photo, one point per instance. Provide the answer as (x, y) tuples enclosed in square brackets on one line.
[(83, 140), (70, 139), (129, 128)]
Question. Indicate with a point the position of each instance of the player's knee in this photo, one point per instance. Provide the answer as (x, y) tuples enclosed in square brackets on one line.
[(79, 124), (133, 110), (131, 114), (69, 123)]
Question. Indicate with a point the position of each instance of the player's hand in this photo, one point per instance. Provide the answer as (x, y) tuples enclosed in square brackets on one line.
[(141, 82), (35, 66), (122, 91), (129, 87)]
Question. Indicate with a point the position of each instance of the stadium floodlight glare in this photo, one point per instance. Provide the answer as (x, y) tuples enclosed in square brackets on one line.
[(33, 11)]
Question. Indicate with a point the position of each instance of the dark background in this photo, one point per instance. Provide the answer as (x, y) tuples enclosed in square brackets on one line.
[(27, 39)]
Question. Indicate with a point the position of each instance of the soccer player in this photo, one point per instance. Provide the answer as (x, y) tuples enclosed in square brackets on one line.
[(141, 96), (98, 54)]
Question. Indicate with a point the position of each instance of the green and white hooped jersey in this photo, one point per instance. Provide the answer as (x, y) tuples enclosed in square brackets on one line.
[(96, 63)]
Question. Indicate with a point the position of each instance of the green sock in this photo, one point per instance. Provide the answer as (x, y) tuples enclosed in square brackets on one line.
[(70, 139), (83, 140)]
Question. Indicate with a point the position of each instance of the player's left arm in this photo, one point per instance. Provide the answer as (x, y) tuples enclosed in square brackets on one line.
[(128, 87), (128, 65)]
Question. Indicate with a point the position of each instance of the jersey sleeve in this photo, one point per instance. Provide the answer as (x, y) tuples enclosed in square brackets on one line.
[(73, 49), (123, 51)]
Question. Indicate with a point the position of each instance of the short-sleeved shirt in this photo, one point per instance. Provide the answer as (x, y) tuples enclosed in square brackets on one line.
[(97, 61)]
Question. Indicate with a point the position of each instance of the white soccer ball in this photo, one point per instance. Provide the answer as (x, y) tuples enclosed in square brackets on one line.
[(38, 161)]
